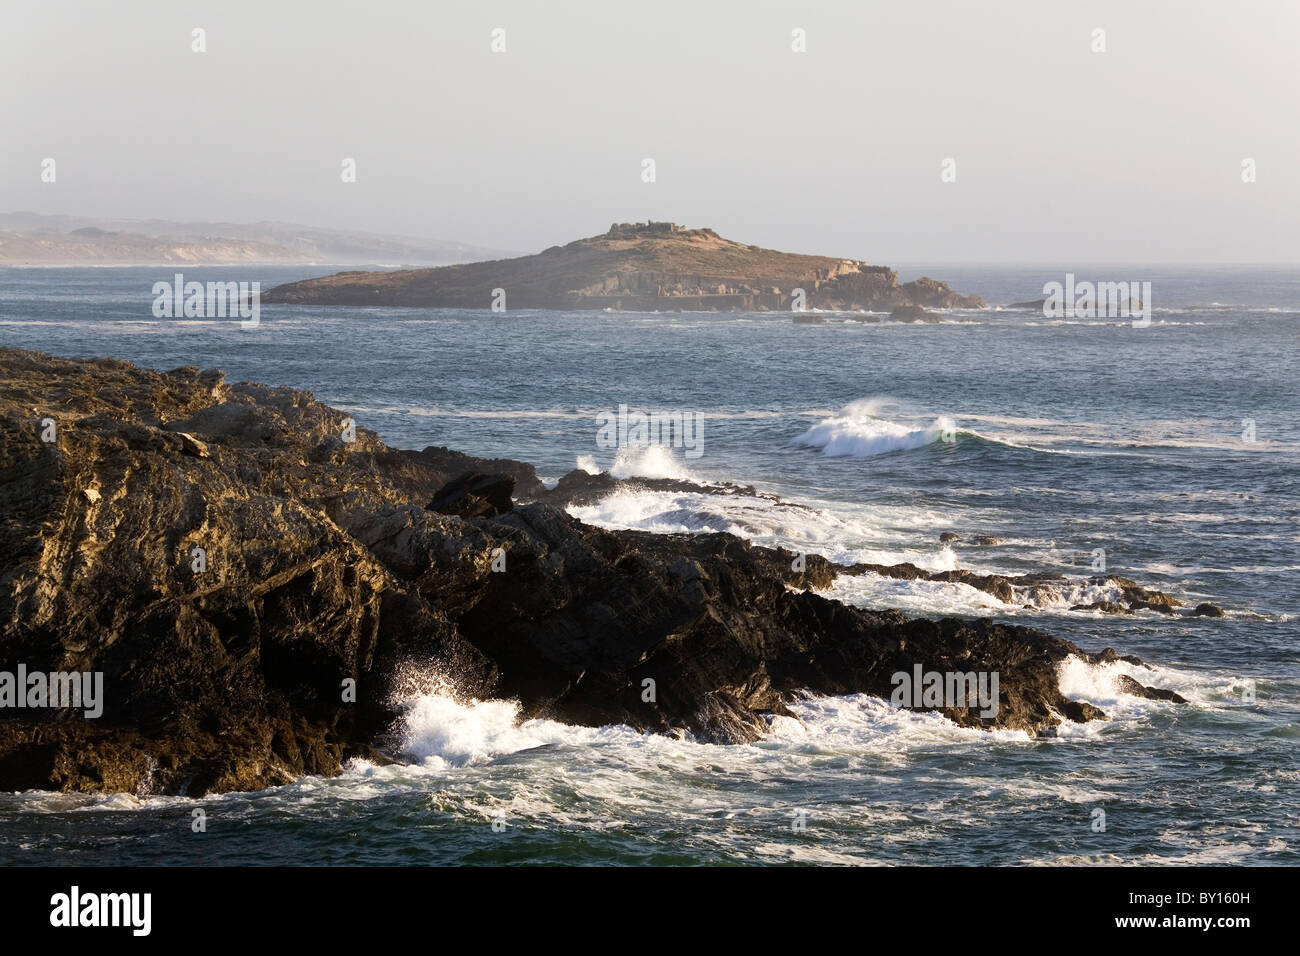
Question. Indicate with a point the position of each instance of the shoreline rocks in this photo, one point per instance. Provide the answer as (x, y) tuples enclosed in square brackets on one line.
[(256, 573)]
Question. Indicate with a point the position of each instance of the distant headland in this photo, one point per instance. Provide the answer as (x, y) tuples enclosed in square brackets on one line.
[(34, 239), (649, 266)]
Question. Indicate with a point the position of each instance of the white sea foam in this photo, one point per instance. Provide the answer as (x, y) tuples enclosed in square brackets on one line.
[(1099, 684), (858, 431), (877, 536), (443, 741), (864, 534), (860, 723), (440, 732), (649, 461), (916, 597)]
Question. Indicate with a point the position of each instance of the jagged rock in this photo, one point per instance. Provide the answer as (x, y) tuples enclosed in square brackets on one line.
[(1080, 711), (193, 447), (1140, 598), (579, 487), (475, 495), (1043, 588), (935, 294), (1108, 607), (986, 540), (1207, 609), (323, 579), (1130, 686), (905, 571), (913, 313), (1110, 656), (996, 584)]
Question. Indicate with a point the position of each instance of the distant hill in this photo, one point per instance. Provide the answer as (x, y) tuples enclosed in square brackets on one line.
[(34, 239), (641, 267)]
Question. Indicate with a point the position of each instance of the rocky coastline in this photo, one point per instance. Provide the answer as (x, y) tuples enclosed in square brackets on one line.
[(253, 574)]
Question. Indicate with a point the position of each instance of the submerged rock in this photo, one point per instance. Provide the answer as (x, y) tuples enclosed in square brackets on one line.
[(257, 573)]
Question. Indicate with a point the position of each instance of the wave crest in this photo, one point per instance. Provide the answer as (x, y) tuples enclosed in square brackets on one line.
[(858, 431)]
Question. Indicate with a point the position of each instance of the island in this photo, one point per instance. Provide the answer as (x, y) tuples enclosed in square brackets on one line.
[(640, 267)]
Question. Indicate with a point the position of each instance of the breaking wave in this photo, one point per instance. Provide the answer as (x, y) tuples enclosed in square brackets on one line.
[(648, 461), (858, 431)]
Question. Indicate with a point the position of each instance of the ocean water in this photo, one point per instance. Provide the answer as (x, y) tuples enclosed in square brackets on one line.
[(1068, 437)]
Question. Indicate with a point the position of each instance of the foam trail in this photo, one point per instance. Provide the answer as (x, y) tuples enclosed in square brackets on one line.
[(1099, 684), (439, 733)]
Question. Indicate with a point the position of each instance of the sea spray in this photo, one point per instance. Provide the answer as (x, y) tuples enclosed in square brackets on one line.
[(857, 432)]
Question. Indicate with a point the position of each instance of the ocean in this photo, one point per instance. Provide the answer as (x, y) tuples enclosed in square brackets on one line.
[(1171, 452)]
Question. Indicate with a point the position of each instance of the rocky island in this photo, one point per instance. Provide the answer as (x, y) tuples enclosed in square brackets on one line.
[(652, 266), (250, 574)]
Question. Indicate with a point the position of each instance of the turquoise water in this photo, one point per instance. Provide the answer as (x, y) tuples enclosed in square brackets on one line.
[(1070, 436)]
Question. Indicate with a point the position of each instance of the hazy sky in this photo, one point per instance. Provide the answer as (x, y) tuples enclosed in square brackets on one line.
[(1062, 154)]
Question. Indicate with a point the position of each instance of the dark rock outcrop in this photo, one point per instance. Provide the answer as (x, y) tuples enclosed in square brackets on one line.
[(1106, 607), (249, 575), (475, 495), (1030, 591), (1128, 685), (1139, 598), (913, 313), (655, 266)]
